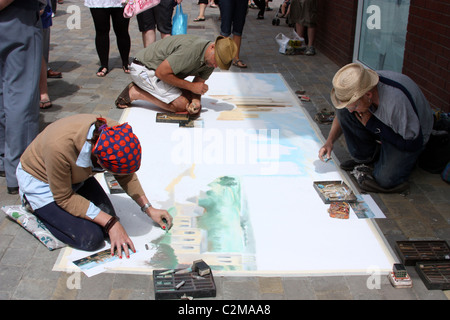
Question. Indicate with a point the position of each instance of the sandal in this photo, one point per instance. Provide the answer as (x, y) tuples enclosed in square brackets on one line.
[(45, 104), (126, 69), (124, 97), (239, 63), (102, 71), (199, 19)]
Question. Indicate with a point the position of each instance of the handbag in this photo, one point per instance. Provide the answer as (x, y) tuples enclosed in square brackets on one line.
[(133, 7), (179, 22)]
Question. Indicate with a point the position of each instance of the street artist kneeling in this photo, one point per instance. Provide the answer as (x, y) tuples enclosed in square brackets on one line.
[(56, 178)]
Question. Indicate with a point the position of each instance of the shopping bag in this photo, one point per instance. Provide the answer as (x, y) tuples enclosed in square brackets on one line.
[(179, 22), (290, 45), (133, 7)]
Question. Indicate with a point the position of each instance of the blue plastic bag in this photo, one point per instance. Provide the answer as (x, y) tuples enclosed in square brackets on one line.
[(179, 22)]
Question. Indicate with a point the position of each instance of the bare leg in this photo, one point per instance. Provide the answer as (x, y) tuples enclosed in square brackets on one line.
[(300, 29), (201, 13), (44, 102), (311, 34), (237, 41), (165, 35), (148, 37)]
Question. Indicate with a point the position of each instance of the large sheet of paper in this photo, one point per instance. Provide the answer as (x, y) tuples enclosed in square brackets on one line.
[(240, 188)]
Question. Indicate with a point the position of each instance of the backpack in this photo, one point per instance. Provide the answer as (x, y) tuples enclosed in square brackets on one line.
[(436, 155), (445, 175)]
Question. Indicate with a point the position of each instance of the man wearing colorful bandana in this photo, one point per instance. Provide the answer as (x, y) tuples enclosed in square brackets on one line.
[(56, 180), (158, 72)]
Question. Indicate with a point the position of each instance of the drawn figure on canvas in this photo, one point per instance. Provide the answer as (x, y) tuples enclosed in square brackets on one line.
[(386, 121), (56, 181), (158, 72)]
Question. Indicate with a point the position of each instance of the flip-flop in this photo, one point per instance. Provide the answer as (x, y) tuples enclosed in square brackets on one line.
[(124, 97), (45, 104), (103, 70), (199, 19), (239, 64)]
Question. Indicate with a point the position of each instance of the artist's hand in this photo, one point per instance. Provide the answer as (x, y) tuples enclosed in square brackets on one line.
[(325, 151), (5, 3), (199, 88), (363, 117), (161, 217), (194, 107), (120, 240)]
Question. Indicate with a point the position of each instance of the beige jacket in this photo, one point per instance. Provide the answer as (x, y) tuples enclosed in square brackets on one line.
[(52, 155)]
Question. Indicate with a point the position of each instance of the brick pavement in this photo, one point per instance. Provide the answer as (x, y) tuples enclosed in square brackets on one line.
[(25, 265)]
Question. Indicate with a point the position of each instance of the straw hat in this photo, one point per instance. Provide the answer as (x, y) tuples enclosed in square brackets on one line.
[(225, 51), (350, 83)]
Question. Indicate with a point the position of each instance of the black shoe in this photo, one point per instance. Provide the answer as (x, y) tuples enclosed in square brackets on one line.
[(348, 165), (369, 185), (2, 174), (13, 190)]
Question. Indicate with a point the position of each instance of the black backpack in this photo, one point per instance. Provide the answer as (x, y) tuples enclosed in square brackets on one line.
[(436, 154)]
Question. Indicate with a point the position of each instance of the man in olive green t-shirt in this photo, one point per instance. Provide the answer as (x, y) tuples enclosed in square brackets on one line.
[(159, 70)]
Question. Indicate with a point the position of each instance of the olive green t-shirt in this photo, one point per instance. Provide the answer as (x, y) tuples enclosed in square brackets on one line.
[(185, 54)]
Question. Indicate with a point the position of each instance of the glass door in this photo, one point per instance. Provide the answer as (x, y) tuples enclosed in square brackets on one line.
[(381, 33)]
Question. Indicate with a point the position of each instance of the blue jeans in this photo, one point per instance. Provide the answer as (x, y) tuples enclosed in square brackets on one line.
[(232, 13), (391, 165), (77, 232)]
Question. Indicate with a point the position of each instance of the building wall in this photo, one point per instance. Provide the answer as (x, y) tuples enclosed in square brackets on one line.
[(427, 49), (335, 34)]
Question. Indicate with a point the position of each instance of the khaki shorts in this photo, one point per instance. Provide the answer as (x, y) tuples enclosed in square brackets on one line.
[(304, 12), (146, 80)]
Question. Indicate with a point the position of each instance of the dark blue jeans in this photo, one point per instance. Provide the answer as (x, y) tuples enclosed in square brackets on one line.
[(77, 232), (391, 165), (232, 14)]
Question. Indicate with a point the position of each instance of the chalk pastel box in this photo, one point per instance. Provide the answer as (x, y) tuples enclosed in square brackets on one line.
[(334, 191), (435, 276), (412, 252), (194, 286)]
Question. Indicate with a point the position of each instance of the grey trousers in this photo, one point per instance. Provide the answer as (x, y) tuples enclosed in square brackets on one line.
[(20, 66)]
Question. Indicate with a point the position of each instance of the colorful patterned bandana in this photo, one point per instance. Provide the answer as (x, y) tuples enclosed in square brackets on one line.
[(118, 150)]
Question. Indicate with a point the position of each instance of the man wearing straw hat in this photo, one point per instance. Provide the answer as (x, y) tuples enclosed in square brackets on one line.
[(386, 121), (159, 70)]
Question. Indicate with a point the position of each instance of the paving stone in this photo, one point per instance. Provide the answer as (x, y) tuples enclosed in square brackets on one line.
[(67, 286), (34, 289), (270, 285), (235, 288), (298, 288)]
